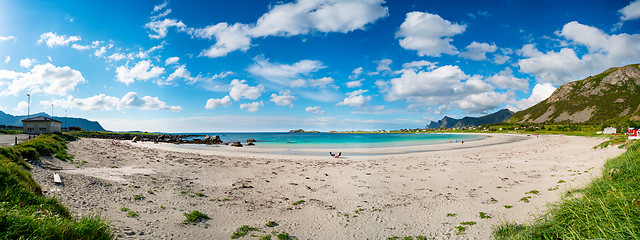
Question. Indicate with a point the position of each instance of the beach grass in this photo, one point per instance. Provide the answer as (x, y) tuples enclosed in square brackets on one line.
[(25, 213), (607, 208), (194, 216)]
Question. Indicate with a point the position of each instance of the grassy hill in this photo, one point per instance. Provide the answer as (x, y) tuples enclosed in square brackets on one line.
[(611, 97)]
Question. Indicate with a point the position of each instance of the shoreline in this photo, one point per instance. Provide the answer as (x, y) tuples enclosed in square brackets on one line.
[(275, 152), (354, 197)]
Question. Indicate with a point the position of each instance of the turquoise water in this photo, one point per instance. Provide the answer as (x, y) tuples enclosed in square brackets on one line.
[(342, 140)]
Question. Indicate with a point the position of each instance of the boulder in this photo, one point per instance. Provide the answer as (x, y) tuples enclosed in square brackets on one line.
[(216, 140), (251, 140), (236, 144), (250, 144)]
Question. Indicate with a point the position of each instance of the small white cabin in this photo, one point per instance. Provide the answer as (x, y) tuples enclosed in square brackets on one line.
[(40, 125), (609, 130)]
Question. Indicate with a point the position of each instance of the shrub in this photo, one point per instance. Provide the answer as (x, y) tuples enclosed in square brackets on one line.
[(194, 216)]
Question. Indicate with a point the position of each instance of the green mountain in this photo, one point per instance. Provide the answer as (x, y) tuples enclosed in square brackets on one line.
[(447, 122), (611, 97), (10, 120)]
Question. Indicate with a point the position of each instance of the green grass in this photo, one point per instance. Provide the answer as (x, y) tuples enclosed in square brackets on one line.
[(242, 231), (468, 223), (533, 192), (298, 202), (132, 214), (194, 216), (138, 197), (124, 209), (451, 214), (607, 208), (25, 213), (484, 216), (271, 224)]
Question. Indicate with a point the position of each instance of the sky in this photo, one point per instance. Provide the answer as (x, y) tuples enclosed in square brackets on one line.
[(248, 65)]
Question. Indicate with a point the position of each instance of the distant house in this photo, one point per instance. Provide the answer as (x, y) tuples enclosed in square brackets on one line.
[(39, 125), (633, 133), (609, 130)]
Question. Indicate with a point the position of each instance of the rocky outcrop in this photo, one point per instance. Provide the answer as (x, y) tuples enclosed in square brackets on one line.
[(236, 144)]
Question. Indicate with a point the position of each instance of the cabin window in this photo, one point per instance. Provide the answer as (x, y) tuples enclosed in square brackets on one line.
[(30, 129), (43, 129)]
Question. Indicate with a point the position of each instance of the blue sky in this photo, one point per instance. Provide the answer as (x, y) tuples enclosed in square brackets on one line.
[(246, 65)]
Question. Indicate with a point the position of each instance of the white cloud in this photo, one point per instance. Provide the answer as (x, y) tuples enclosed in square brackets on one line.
[(6, 60), (143, 70), (161, 15), (355, 99), (284, 99), (229, 38), (105, 102), (505, 79), (252, 107), (605, 51), (356, 73), (314, 110), (429, 34), (291, 19), (7, 38), (442, 81), (305, 16), (322, 82), (284, 74), (483, 102), (419, 65), (500, 58), (100, 51), (45, 78), (540, 92), (215, 103), (631, 11), (116, 57), (22, 105), (181, 72), (354, 84), (383, 66), (159, 7), (478, 51), (159, 28), (53, 39), (171, 60), (131, 100), (94, 44), (27, 62), (239, 89)]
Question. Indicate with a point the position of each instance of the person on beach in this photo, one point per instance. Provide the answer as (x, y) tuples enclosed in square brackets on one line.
[(335, 155)]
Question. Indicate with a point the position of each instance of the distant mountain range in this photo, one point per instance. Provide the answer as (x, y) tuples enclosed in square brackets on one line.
[(609, 97), (8, 119), (447, 122)]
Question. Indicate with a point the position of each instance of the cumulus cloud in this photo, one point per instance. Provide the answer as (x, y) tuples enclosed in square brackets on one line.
[(143, 70), (630, 12), (159, 7), (252, 107), (355, 99), (239, 89), (215, 103), (284, 74), (180, 72), (354, 84), (283, 99), (442, 81), (105, 102), (53, 39), (478, 51), (159, 28), (116, 57), (604, 51), (505, 79), (27, 62), (229, 38), (429, 34), (539, 93), (383, 66), (483, 102), (322, 82), (6, 60), (6, 38), (45, 78), (419, 65), (171, 60), (94, 44), (22, 105), (356, 73), (314, 110), (291, 19)]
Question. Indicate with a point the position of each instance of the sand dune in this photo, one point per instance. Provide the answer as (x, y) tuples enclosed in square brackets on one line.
[(376, 196)]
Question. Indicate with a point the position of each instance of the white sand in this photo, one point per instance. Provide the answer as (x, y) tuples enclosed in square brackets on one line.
[(400, 194)]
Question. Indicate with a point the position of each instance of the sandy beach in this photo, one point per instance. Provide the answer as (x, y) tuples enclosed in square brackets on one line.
[(404, 191)]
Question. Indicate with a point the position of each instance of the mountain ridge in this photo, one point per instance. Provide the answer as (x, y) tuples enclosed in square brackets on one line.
[(8, 119), (448, 122), (611, 97)]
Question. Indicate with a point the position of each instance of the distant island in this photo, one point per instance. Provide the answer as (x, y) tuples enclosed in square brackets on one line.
[(302, 131)]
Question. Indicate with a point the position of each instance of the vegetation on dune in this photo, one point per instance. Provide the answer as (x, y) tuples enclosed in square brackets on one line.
[(194, 216), (607, 208), (24, 212)]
